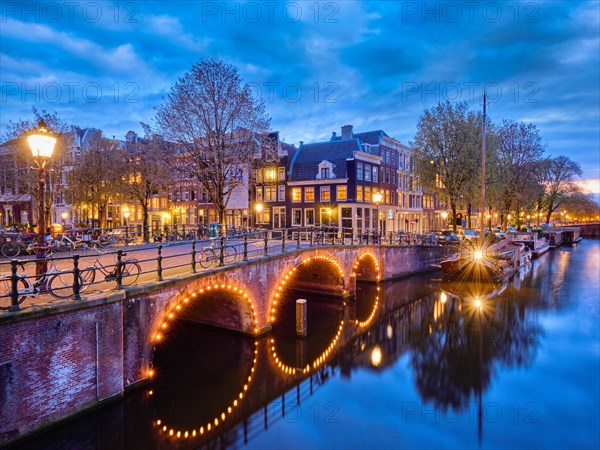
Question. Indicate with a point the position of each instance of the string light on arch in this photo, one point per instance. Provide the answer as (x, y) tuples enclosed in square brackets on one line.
[(357, 263), (289, 274)]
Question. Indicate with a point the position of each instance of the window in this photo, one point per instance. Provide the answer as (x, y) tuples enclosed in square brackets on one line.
[(281, 173), (259, 194), (259, 175), (375, 174), (325, 193), (387, 197), (270, 194), (186, 195), (324, 173), (296, 217), (264, 216), (309, 194), (367, 172), (359, 193), (367, 194), (309, 216), (270, 175), (359, 171), (192, 195), (342, 193), (296, 194), (281, 193)]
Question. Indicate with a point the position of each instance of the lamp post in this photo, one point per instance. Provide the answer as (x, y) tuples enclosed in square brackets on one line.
[(377, 197), (445, 218), (63, 216), (41, 142)]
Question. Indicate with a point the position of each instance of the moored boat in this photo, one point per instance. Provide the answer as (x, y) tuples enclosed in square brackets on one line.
[(554, 237), (572, 235), (538, 245)]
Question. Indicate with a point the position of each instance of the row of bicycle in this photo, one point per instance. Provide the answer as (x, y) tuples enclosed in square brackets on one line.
[(60, 282)]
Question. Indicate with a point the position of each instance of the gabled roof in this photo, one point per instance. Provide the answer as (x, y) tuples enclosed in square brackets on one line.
[(305, 163), (370, 137)]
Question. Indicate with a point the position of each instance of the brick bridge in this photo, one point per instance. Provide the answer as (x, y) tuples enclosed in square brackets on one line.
[(61, 359)]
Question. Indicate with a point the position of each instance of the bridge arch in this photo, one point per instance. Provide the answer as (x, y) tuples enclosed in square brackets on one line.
[(319, 273), (213, 302), (366, 267)]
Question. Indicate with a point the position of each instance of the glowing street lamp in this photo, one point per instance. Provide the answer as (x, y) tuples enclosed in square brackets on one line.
[(41, 142), (258, 207), (63, 216)]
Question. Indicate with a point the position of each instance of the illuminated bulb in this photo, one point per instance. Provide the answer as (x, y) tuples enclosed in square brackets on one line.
[(216, 422), (478, 303), (170, 315), (229, 409), (164, 428), (193, 433), (185, 300), (222, 416), (171, 432), (150, 372), (443, 297), (186, 435), (179, 434), (478, 255), (158, 422), (208, 427), (235, 403), (202, 430)]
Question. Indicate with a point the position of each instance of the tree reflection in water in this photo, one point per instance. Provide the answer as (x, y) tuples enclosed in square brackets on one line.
[(460, 340)]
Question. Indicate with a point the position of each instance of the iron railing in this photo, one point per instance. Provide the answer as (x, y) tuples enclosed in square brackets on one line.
[(86, 270)]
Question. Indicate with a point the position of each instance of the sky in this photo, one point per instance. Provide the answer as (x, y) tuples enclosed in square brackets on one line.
[(316, 65)]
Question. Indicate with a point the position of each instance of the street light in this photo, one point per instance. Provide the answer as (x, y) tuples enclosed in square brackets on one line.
[(126, 215), (41, 142), (63, 216), (377, 197)]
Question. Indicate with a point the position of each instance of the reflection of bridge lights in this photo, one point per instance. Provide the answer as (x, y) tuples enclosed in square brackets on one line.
[(289, 274), (443, 297), (367, 322), (376, 356), (217, 420), (288, 370), (356, 264), (389, 331)]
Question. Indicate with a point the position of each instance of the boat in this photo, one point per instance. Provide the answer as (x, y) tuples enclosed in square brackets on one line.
[(538, 245), (571, 235), (554, 237), (495, 263)]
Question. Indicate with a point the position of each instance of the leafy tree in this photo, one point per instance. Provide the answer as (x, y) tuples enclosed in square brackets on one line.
[(220, 127), (519, 147), (560, 182), (446, 151)]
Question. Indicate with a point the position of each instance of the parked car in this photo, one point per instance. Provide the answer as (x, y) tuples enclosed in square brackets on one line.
[(499, 233), (451, 236), (511, 229), (470, 235)]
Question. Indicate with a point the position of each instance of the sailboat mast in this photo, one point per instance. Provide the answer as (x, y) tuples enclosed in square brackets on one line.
[(483, 174)]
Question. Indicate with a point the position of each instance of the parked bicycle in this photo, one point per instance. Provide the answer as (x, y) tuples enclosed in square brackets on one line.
[(59, 283), (130, 271), (207, 256)]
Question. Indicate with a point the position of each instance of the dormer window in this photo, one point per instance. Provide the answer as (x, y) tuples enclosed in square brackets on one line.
[(325, 170)]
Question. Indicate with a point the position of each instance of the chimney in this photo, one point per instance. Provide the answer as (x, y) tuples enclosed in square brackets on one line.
[(333, 135), (347, 132), (301, 142)]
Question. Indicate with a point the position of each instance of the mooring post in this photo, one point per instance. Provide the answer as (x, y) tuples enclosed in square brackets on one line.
[(301, 317)]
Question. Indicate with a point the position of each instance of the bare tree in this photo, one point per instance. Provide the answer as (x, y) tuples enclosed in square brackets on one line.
[(146, 171), (446, 153), (219, 126), (97, 177)]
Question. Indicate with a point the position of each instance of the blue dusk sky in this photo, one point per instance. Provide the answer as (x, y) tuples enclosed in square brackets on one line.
[(317, 65)]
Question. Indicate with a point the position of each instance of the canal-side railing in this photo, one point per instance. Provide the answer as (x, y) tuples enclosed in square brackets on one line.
[(92, 269)]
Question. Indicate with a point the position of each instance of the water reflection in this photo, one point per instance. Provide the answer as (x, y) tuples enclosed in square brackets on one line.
[(455, 338)]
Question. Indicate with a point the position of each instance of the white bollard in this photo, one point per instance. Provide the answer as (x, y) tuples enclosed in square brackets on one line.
[(301, 317)]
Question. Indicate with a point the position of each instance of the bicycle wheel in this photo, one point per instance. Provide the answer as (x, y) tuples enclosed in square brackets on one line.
[(88, 276), (61, 284), (131, 272), (229, 254), (10, 249), (206, 257), (6, 291)]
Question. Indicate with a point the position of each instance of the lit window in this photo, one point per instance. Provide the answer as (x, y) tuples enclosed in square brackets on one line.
[(270, 174), (342, 193), (309, 194), (325, 194), (270, 194), (296, 194), (259, 194), (367, 194), (359, 193)]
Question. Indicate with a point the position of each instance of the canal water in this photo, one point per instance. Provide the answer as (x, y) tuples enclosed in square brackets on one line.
[(410, 364)]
